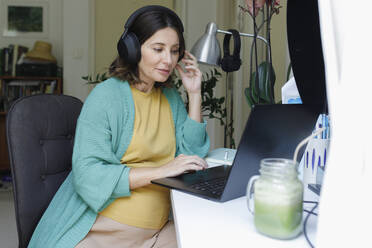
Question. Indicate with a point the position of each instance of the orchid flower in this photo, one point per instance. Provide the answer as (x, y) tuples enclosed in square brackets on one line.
[(258, 4)]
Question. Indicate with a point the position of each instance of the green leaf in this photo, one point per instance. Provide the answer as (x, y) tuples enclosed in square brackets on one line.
[(252, 84), (252, 92), (266, 80), (250, 100), (103, 77)]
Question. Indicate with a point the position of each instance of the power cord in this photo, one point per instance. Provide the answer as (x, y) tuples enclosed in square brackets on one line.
[(309, 212), (306, 219)]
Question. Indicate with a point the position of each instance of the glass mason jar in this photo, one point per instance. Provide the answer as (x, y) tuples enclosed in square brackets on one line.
[(278, 195)]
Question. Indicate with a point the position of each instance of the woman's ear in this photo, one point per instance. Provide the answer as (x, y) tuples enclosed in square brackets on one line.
[(182, 54)]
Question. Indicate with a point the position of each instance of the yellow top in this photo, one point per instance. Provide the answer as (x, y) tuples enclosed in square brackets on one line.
[(153, 144)]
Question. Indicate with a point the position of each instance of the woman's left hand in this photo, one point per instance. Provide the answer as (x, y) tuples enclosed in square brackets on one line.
[(191, 77)]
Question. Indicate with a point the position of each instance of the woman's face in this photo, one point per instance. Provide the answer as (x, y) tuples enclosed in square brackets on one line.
[(159, 56)]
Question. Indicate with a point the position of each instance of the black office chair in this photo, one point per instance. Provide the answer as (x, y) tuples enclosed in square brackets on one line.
[(40, 131)]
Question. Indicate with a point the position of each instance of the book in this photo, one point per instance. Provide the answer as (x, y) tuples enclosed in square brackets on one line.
[(24, 83), (53, 85), (6, 61), (10, 59), (14, 59), (221, 156), (1, 62), (50, 88), (18, 53)]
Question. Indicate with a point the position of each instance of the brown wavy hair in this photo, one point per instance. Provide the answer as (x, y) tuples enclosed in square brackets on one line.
[(146, 25)]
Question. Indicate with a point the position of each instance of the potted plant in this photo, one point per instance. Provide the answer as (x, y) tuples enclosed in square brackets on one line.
[(99, 77), (262, 74)]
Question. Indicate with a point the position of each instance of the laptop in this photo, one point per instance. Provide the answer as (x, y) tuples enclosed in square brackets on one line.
[(272, 131)]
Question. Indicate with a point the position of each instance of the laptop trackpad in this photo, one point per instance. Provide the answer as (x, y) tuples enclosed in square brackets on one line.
[(204, 175)]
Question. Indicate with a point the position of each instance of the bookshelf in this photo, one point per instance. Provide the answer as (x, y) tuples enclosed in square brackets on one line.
[(14, 87)]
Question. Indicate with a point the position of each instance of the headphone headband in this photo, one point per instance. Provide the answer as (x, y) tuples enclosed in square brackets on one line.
[(237, 43), (148, 8), (231, 63)]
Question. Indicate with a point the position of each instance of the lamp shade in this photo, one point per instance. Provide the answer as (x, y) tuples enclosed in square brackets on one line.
[(207, 49)]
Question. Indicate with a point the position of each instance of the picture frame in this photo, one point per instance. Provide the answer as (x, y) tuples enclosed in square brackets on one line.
[(24, 18)]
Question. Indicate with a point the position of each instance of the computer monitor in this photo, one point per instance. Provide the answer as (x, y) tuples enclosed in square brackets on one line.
[(305, 50)]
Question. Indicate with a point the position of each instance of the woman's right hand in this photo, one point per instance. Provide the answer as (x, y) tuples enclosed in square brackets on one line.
[(183, 163)]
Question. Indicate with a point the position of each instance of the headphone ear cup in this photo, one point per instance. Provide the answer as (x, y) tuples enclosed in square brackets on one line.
[(237, 64), (229, 63), (129, 48), (226, 63)]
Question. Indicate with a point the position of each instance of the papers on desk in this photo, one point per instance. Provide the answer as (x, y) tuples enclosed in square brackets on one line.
[(221, 156)]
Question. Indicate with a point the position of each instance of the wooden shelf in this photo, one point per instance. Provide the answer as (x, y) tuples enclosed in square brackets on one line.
[(8, 77), (4, 80)]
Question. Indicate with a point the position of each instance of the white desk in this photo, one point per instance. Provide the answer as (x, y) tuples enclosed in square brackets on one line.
[(204, 223)]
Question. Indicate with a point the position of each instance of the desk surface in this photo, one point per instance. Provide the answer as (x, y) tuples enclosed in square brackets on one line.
[(203, 223)]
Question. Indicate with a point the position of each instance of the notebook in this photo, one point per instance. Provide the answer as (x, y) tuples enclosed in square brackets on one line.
[(271, 131), (221, 156)]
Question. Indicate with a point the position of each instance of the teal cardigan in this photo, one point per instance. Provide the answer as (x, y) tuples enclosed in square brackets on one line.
[(104, 131)]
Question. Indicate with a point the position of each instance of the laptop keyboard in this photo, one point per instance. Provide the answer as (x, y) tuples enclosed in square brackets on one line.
[(213, 186)]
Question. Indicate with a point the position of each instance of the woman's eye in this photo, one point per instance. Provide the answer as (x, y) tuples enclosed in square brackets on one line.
[(175, 51), (158, 50)]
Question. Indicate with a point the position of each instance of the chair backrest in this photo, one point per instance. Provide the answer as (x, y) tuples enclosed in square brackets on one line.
[(40, 132)]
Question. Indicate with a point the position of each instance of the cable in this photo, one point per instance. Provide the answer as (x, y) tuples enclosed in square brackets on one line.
[(309, 212), (304, 141), (305, 222)]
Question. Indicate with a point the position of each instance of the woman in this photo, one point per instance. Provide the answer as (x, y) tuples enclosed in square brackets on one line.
[(133, 128)]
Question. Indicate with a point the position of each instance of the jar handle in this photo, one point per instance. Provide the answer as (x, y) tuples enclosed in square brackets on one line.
[(249, 192)]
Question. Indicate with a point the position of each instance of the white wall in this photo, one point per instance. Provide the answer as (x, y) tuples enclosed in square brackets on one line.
[(196, 15), (54, 31), (78, 50)]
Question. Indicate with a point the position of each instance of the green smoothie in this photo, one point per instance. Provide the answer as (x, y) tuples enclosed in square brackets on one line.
[(278, 220)]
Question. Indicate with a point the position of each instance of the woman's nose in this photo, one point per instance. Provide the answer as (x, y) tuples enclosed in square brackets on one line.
[(167, 57)]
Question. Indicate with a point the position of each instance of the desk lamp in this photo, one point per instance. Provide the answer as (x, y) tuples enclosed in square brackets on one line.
[(207, 50)]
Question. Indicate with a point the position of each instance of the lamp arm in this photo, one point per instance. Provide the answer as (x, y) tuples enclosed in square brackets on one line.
[(244, 34)]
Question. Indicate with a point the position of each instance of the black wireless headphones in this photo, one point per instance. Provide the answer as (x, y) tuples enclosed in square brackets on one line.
[(128, 45), (230, 63)]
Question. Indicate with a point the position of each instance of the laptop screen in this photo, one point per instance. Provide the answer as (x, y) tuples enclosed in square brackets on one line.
[(272, 131)]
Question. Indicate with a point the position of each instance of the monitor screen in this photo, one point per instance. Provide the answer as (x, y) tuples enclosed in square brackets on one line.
[(305, 49)]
